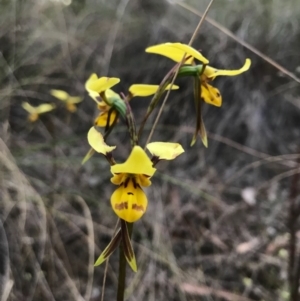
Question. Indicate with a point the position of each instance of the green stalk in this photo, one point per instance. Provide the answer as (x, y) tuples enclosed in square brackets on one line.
[(122, 267)]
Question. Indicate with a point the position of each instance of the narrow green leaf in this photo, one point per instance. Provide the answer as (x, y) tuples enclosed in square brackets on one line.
[(127, 247), (89, 154), (200, 127), (110, 248)]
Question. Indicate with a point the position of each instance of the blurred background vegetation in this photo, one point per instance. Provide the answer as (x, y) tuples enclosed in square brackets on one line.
[(219, 220)]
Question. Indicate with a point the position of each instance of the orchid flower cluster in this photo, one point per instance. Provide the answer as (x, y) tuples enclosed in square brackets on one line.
[(129, 201)]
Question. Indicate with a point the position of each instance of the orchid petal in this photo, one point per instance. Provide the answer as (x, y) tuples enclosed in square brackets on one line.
[(96, 141), (165, 150), (137, 163)]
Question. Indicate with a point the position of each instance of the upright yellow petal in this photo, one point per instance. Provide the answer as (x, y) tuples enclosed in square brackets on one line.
[(211, 72), (211, 95), (60, 94), (93, 77), (96, 141), (176, 51), (137, 163), (129, 202), (101, 84), (147, 90), (165, 150)]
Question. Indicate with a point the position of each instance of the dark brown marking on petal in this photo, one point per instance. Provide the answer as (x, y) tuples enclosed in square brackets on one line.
[(138, 208), (134, 183), (130, 193), (126, 182), (121, 206)]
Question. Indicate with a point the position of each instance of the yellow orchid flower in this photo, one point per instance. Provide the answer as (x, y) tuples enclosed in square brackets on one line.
[(95, 85), (69, 100), (129, 201), (176, 51), (34, 112), (210, 94)]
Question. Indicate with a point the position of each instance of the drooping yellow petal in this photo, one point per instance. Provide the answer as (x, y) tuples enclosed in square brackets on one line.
[(147, 90), (60, 94), (143, 180), (101, 119), (137, 163), (95, 96), (176, 51), (165, 150), (118, 179), (129, 202), (100, 84), (211, 95), (96, 141), (211, 72)]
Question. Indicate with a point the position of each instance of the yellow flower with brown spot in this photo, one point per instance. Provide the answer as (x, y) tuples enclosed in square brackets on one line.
[(95, 86), (35, 112), (176, 51), (129, 201), (203, 74), (67, 99)]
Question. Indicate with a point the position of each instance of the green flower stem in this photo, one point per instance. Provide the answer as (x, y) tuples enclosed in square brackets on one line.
[(130, 121), (122, 267)]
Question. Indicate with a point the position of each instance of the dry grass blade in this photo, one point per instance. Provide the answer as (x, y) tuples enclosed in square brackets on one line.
[(240, 41)]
